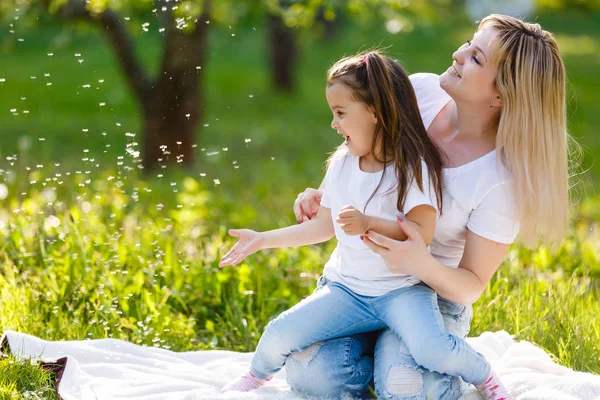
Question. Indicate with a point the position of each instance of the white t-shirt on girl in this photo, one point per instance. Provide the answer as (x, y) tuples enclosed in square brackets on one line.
[(477, 196), (352, 263)]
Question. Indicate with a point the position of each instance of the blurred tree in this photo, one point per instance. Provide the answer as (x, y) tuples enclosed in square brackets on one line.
[(283, 52), (283, 46), (326, 23), (172, 102)]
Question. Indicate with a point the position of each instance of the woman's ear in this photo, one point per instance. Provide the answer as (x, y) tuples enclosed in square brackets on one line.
[(497, 102), (500, 102)]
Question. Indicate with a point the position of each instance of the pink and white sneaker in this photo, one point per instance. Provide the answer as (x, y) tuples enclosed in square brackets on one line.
[(244, 383), (494, 389)]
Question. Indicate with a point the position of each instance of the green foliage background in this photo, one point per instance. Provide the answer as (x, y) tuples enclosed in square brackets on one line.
[(89, 249)]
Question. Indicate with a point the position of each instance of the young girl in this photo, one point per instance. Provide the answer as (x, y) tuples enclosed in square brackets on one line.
[(387, 168)]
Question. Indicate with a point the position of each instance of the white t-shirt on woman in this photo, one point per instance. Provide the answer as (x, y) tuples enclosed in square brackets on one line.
[(477, 196)]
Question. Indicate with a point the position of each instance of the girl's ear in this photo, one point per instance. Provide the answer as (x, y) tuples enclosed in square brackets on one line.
[(372, 110)]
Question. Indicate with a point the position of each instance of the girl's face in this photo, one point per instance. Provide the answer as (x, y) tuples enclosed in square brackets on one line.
[(471, 78), (354, 120)]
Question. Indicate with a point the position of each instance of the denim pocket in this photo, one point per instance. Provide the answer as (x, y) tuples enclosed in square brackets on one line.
[(457, 318), (451, 308)]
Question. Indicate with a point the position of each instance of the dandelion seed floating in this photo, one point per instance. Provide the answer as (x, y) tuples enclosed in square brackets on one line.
[(3, 191)]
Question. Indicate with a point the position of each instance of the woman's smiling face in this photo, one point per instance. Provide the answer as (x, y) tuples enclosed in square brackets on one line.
[(472, 75), (352, 119)]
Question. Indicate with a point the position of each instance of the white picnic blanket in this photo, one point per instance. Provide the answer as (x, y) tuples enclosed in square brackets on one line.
[(114, 369)]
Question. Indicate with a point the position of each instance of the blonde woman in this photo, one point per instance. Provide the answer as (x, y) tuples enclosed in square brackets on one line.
[(498, 113)]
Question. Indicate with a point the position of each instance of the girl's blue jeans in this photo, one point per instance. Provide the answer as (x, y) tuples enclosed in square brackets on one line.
[(333, 311)]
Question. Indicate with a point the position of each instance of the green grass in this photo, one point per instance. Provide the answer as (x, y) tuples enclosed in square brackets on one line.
[(137, 259), (22, 380)]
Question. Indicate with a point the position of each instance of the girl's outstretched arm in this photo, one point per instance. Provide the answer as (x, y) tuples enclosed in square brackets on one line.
[(317, 230)]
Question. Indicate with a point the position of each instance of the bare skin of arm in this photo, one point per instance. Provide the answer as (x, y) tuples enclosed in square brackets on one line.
[(318, 230), (422, 218), (464, 284)]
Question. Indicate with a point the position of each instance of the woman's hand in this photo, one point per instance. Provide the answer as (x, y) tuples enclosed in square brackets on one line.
[(352, 221), (307, 204), (400, 257), (249, 243)]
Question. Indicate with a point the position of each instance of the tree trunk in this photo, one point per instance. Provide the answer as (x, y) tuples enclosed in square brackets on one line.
[(172, 104), (328, 27), (175, 106), (284, 52)]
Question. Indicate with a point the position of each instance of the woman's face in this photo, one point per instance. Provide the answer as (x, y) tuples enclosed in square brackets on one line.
[(351, 119), (471, 78)]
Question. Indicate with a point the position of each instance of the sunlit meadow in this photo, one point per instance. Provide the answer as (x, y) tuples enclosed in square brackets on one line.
[(91, 248)]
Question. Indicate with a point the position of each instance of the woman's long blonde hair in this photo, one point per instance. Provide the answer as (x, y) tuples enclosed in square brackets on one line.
[(532, 138)]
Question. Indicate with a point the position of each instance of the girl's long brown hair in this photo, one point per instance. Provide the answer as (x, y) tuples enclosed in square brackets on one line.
[(380, 82)]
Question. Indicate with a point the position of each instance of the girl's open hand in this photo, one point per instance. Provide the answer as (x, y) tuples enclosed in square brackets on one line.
[(352, 221), (249, 243)]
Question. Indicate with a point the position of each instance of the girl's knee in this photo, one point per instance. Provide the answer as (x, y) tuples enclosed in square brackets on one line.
[(280, 333)]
